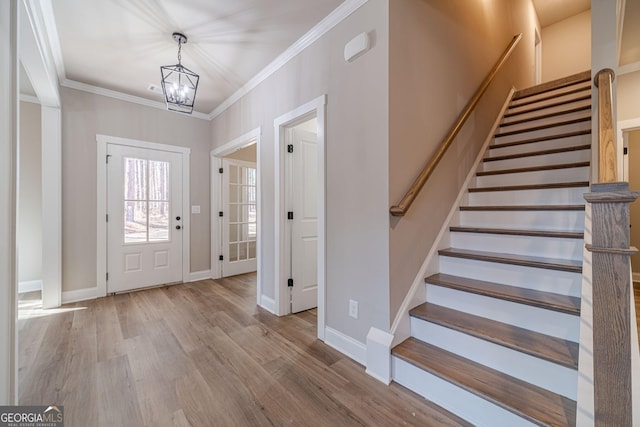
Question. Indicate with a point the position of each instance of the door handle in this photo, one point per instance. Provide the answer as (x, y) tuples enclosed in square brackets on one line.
[(178, 227)]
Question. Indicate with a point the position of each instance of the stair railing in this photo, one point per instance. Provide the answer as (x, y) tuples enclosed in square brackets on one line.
[(401, 208), (611, 273)]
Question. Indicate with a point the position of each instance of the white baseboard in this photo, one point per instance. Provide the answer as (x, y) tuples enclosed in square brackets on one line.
[(79, 295), (199, 275), (346, 345), (268, 304), (636, 277), (379, 355), (29, 286)]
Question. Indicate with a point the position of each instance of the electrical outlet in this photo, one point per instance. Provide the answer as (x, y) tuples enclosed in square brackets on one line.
[(353, 308)]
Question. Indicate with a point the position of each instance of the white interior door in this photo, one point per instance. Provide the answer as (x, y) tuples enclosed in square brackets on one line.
[(144, 224), (239, 218), (303, 202)]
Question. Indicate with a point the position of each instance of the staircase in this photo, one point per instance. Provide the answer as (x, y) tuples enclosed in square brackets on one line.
[(496, 342)]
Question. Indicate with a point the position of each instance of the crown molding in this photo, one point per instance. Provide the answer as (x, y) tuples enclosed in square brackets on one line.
[(51, 29), (29, 98), (628, 68), (330, 21), (96, 90)]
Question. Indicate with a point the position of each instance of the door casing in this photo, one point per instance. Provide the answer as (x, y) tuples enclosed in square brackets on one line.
[(101, 212), (316, 107)]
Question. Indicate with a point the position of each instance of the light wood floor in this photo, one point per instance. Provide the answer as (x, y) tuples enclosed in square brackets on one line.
[(201, 354)]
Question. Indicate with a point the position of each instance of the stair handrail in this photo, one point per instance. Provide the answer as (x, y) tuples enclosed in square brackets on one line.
[(607, 156), (401, 208), (610, 272)]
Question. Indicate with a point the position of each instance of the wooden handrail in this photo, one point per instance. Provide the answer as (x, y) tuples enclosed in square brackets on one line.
[(607, 156), (401, 208)]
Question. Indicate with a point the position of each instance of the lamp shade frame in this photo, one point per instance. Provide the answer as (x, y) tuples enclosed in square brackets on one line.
[(178, 77)]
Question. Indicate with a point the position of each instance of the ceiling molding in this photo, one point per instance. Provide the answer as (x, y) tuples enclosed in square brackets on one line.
[(72, 84), (330, 21), (628, 68), (29, 98), (50, 27)]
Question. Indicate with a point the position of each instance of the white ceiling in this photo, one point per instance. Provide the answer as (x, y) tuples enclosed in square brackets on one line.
[(121, 44)]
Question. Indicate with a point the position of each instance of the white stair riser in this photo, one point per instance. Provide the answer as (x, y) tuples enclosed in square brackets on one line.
[(555, 196), (548, 247), (537, 177), (541, 279), (548, 110), (544, 374), (545, 121), (474, 409), (556, 324), (552, 131), (572, 141), (539, 160), (585, 90), (533, 220)]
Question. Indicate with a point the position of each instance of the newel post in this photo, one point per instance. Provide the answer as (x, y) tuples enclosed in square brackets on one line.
[(611, 298)]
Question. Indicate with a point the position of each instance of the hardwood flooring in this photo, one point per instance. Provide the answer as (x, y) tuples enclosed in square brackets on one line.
[(201, 354)]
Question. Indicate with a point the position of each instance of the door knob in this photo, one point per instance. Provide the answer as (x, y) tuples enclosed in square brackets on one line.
[(178, 227)]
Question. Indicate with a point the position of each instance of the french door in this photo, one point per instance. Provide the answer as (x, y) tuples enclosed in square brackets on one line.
[(144, 222), (239, 217)]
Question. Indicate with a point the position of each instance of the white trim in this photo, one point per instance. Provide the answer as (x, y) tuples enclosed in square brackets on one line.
[(251, 137), (379, 355), (401, 328), (29, 286), (346, 345), (79, 295), (101, 237), (330, 21), (318, 107), (620, 9), (50, 27), (29, 98), (199, 275), (268, 304), (628, 68), (636, 277), (72, 84)]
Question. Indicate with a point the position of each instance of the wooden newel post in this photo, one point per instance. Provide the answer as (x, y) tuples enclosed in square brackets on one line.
[(611, 301)]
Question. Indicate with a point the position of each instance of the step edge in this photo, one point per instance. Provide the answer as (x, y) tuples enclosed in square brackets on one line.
[(559, 166), (552, 151), (518, 232), (505, 259), (543, 127)]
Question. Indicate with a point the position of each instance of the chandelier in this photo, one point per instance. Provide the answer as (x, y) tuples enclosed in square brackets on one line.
[(179, 84)]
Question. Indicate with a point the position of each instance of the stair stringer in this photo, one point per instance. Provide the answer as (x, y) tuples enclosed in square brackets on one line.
[(401, 326)]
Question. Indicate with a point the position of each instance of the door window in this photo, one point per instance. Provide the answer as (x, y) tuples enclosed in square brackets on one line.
[(242, 213)]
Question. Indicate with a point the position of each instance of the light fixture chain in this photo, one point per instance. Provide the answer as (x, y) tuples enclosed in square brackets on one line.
[(180, 52)]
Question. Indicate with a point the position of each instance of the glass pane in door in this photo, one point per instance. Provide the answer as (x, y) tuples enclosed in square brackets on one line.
[(243, 216)]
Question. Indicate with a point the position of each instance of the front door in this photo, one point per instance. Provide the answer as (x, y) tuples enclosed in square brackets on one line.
[(303, 200), (239, 217), (144, 224)]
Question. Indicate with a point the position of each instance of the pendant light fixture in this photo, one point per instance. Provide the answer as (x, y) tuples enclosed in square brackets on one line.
[(179, 84)]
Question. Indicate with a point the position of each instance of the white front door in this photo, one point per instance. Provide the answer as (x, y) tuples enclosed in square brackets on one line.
[(144, 227), (303, 202), (239, 217)]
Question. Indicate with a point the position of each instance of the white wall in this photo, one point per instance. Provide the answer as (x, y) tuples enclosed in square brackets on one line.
[(357, 134), (83, 116), (566, 47), (30, 195), (628, 96)]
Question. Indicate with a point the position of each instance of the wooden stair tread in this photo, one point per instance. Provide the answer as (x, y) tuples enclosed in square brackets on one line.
[(548, 115), (551, 349), (545, 126), (572, 266), (551, 105), (514, 232), (536, 404), (524, 208), (535, 168), (538, 153), (542, 139), (531, 187), (574, 79), (586, 89), (547, 300)]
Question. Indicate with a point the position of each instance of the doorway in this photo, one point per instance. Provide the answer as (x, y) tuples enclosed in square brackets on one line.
[(300, 210)]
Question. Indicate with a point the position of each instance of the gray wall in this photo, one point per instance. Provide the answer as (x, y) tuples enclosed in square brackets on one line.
[(357, 224), (30, 194), (83, 116), (440, 51)]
